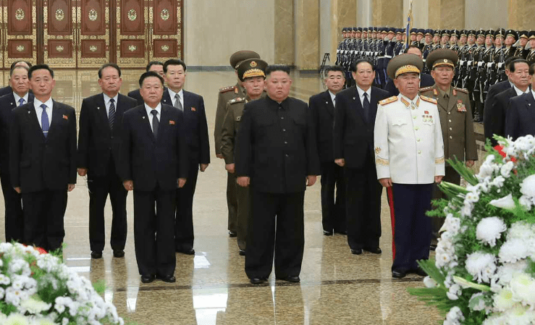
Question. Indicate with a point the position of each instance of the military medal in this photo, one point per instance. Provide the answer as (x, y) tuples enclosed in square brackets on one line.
[(460, 106)]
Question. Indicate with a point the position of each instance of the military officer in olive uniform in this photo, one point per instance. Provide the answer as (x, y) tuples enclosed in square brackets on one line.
[(251, 73), (455, 118), (226, 94)]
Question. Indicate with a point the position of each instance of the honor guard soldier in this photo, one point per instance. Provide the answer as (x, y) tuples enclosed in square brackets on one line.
[(409, 157), (427, 46), (436, 39), (398, 49), (508, 51), (445, 39), (455, 119), (225, 95), (521, 51), (497, 58), (251, 73), (454, 37), (413, 34), (530, 56)]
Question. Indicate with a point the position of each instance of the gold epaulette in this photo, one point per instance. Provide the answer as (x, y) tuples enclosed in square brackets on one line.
[(426, 89), (236, 100), (427, 99), (226, 89), (461, 90), (388, 100)]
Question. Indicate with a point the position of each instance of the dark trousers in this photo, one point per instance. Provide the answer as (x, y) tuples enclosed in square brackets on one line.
[(276, 226), (333, 210), (243, 215), (13, 211), (232, 203), (451, 177), (411, 228), (363, 206), (43, 218), (154, 213), (184, 210), (99, 188)]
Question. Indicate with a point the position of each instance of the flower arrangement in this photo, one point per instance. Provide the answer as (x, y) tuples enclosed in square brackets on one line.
[(36, 288), (484, 267)]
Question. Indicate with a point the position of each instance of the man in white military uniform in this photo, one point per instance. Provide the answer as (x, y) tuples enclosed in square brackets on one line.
[(409, 157)]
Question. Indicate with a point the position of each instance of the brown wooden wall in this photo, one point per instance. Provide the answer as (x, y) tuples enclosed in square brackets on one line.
[(89, 33)]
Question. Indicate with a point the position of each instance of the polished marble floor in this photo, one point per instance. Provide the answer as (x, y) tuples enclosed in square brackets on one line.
[(336, 287)]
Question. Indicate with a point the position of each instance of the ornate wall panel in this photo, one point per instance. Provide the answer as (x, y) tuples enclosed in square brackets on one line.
[(132, 33), (18, 33), (94, 35), (164, 29), (59, 17)]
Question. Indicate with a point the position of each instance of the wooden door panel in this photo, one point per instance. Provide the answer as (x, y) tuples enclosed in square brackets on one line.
[(93, 17), (18, 32), (132, 17), (59, 36), (132, 36), (165, 17), (19, 17), (60, 17), (166, 29), (94, 34), (19, 48)]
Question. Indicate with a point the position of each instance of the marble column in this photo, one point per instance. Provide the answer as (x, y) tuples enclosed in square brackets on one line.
[(492, 16), (446, 14), (307, 44), (521, 14), (344, 14), (284, 32), (388, 13)]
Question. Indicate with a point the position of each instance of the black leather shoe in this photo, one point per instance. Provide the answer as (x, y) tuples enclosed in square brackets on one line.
[(419, 271), (376, 250), (327, 233), (242, 252), (167, 278), (147, 278), (294, 279), (398, 274), (187, 252), (96, 255), (232, 234), (257, 281), (118, 254), (357, 251)]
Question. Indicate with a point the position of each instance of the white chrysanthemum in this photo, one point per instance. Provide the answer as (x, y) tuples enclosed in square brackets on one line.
[(528, 186), (504, 300), (451, 224), (454, 316), (507, 168), (34, 306), (498, 181), (505, 202), (481, 266), (16, 319), (508, 270), (519, 315), (466, 210), (525, 202), (513, 250), (521, 230), (490, 229), (523, 288)]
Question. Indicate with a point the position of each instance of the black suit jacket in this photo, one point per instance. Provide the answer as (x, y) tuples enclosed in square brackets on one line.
[(37, 163), (426, 81), (322, 109), (96, 141), (5, 90), (520, 116), (195, 125), (150, 161), (501, 102), (276, 145), (489, 102), (7, 104), (137, 96), (353, 135)]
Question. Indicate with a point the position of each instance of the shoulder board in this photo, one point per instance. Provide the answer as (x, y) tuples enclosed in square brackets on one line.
[(236, 100), (388, 100), (427, 99), (226, 89), (461, 90), (426, 89)]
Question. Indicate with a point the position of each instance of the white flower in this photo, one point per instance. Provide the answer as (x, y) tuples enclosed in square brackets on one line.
[(506, 169), (451, 224), (498, 181), (508, 270), (505, 202), (481, 266), (429, 282), (16, 319), (504, 300), (528, 186), (523, 288), (466, 210), (490, 229), (525, 202), (454, 316), (34, 306), (477, 302), (472, 197), (513, 250), (454, 292)]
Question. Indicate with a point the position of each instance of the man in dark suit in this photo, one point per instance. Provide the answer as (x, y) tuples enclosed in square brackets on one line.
[(277, 156), (489, 101), (196, 129), (322, 107), (42, 148), (19, 83), (155, 66), (101, 126), (8, 90), (425, 79), (154, 162), (520, 114), (354, 120), (519, 72)]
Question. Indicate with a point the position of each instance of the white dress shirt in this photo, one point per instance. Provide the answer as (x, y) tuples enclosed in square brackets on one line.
[(520, 92), (149, 110), (361, 95), (17, 98), (180, 94), (38, 110), (333, 96), (107, 103)]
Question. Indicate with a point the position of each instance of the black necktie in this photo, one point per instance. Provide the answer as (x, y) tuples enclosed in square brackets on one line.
[(366, 107), (111, 115), (155, 122)]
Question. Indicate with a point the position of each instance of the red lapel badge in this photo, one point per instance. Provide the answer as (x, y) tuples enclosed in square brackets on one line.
[(193, 109), (65, 117), (171, 122)]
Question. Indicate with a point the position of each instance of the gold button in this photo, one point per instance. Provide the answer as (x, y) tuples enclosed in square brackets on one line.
[(414, 117), (416, 128), (418, 140), (419, 152), (449, 113), (449, 120), (451, 137), (451, 129)]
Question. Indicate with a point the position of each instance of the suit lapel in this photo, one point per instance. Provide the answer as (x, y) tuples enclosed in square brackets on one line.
[(164, 123), (33, 121), (57, 116), (530, 101), (166, 98), (373, 106), (328, 102), (145, 121), (187, 103), (101, 111)]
